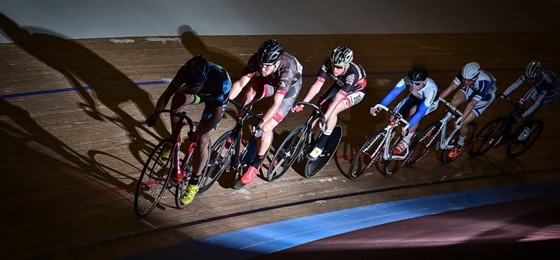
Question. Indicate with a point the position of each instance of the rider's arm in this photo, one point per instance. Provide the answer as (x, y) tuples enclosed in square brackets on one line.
[(239, 85), (315, 88), (454, 84), (397, 89), (536, 104), (514, 86)]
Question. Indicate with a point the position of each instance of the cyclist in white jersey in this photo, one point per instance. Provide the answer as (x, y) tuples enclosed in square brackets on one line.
[(422, 100), (478, 90), (544, 88)]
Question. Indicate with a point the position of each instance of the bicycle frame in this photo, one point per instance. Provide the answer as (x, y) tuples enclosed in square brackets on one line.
[(444, 139), (396, 121)]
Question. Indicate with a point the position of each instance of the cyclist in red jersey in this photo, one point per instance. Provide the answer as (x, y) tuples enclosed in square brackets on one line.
[(346, 90), (272, 73)]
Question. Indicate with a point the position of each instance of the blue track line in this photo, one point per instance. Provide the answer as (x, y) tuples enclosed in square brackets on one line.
[(277, 236)]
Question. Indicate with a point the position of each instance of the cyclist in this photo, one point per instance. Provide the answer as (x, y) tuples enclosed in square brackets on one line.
[(197, 81), (544, 88), (478, 90), (346, 90), (422, 100), (272, 73)]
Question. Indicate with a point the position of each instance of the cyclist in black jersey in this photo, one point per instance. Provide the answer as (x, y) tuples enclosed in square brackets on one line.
[(544, 88), (272, 73), (346, 90), (197, 81)]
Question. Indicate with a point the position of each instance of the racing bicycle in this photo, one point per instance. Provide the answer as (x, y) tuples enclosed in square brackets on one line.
[(442, 138), (501, 131), (378, 149), (299, 143)]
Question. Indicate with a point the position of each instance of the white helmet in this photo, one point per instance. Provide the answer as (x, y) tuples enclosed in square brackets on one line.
[(342, 56), (471, 70)]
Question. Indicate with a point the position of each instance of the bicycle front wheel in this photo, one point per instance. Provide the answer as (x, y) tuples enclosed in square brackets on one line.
[(287, 153), (367, 156), (489, 136), (219, 161), (427, 139), (154, 179), (516, 148)]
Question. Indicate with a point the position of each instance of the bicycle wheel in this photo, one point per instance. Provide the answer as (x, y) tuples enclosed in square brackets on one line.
[(219, 161), (367, 156), (313, 167), (427, 139), (153, 180), (489, 136), (287, 153), (391, 166), (516, 148), (454, 153)]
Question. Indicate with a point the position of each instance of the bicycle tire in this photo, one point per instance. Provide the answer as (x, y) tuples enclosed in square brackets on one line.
[(426, 141), (516, 148), (314, 167), (287, 153), (471, 134), (155, 177), (219, 161), (490, 135), (389, 167), (367, 155)]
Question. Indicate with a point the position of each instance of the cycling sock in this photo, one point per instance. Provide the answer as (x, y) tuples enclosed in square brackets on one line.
[(461, 140), (258, 161), (193, 180), (322, 140)]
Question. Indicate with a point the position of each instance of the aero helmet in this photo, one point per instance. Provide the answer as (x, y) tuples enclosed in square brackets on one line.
[(270, 51), (195, 70), (418, 73), (533, 69), (342, 56), (471, 70)]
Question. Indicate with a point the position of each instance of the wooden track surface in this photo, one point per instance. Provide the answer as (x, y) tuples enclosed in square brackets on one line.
[(73, 137)]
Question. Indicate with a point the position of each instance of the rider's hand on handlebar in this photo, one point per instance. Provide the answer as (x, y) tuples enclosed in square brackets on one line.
[(297, 108), (257, 131), (373, 111)]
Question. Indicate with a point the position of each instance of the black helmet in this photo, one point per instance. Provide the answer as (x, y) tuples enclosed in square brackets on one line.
[(418, 73), (533, 69), (195, 70), (270, 51)]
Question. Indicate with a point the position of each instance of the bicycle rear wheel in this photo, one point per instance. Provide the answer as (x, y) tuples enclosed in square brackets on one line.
[(313, 167), (454, 153), (153, 180), (427, 139), (219, 161), (287, 153), (489, 136), (516, 148), (367, 156)]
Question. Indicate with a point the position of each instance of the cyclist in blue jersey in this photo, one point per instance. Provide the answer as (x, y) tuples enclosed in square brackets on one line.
[(544, 88), (422, 100), (478, 90), (197, 81)]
